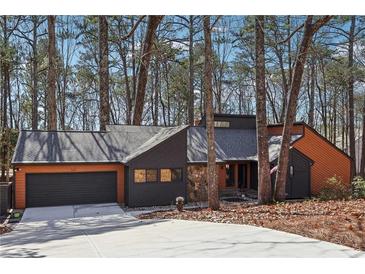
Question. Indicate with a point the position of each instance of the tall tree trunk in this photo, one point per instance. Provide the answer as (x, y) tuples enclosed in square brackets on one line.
[(156, 89), (351, 93), (362, 164), (153, 22), (127, 88), (290, 68), (311, 98), (51, 94), (281, 175), (213, 195), (191, 72), (264, 181), (335, 117), (35, 74), (5, 74), (104, 72), (134, 77)]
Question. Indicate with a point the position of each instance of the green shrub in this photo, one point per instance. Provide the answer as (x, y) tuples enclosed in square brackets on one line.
[(358, 187), (335, 189)]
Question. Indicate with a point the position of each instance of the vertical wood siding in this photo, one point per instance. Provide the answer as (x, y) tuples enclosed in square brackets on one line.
[(20, 177), (328, 161), (278, 130)]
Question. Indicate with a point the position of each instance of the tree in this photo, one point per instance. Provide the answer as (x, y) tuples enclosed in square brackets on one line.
[(213, 195), (104, 72), (351, 93), (6, 57), (362, 164), (281, 175), (191, 71), (29, 31), (264, 180), (52, 63), (153, 22)]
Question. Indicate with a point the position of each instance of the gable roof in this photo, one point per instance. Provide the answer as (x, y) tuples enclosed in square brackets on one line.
[(119, 144), (163, 135), (231, 145)]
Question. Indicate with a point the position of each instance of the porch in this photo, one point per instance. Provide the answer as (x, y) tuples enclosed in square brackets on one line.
[(237, 179)]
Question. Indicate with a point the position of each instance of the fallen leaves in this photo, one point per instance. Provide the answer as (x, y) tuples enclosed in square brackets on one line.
[(4, 229), (341, 222)]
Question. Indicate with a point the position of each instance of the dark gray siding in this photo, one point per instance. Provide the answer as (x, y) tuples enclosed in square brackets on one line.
[(298, 184), (55, 189), (236, 121), (169, 154), (254, 175)]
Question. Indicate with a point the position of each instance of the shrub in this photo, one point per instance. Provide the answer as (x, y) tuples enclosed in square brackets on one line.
[(180, 203), (335, 189), (358, 187)]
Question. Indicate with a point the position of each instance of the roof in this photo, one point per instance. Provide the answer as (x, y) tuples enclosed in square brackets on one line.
[(274, 145), (162, 135), (231, 145), (119, 143)]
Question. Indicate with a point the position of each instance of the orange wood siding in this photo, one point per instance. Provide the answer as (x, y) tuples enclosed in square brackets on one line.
[(328, 161), (278, 130), (20, 176)]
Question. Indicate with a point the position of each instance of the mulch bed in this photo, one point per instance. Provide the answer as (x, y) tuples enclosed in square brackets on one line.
[(340, 222)]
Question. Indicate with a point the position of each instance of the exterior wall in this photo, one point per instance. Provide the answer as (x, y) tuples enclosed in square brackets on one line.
[(278, 129), (20, 176), (197, 186), (172, 153), (236, 121), (328, 161)]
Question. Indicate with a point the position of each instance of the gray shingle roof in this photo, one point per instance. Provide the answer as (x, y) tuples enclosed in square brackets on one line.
[(231, 145), (274, 145), (123, 143), (119, 144)]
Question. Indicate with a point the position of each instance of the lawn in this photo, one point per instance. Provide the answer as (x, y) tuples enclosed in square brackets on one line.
[(340, 222)]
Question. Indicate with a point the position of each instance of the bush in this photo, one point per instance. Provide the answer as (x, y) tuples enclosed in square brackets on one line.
[(180, 203), (358, 187), (335, 189)]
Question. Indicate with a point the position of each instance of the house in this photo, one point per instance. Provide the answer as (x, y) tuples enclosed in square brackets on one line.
[(152, 165)]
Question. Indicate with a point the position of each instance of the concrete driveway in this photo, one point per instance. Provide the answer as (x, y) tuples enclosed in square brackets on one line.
[(106, 231)]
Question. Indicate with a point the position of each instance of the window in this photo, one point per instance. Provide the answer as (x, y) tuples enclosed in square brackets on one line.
[(151, 175), (176, 175), (168, 175), (165, 175), (139, 175), (145, 175), (221, 124)]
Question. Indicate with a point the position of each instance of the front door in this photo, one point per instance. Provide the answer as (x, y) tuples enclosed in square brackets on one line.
[(242, 180)]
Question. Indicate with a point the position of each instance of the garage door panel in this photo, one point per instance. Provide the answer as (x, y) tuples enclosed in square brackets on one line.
[(70, 188)]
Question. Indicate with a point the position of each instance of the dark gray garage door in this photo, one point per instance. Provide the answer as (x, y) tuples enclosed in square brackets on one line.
[(54, 189)]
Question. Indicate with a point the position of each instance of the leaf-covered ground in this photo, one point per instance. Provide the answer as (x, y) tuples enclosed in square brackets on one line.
[(4, 229), (340, 222)]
